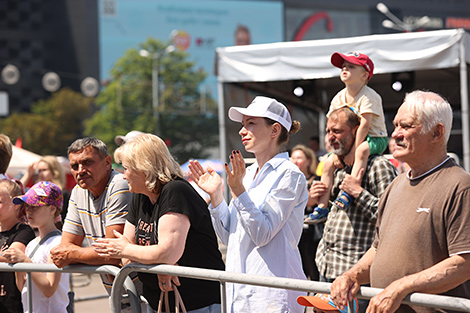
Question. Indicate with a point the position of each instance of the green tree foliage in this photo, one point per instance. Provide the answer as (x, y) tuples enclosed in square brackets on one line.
[(52, 125), (187, 123)]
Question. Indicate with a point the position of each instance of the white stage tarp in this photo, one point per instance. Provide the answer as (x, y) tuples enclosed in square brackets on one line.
[(311, 59), (20, 161), (392, 53)]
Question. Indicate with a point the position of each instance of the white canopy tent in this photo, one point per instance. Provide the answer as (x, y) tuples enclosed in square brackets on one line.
[(20, 161), (310, 60)]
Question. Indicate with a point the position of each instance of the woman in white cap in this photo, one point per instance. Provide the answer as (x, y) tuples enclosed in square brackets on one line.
[(262, 225)]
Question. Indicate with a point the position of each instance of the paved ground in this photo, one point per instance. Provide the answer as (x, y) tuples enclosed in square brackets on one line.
[(93, 289)]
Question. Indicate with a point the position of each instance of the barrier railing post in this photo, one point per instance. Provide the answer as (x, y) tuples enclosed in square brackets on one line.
[(116, 291), (29, 283), (223, 297), (125, 282)]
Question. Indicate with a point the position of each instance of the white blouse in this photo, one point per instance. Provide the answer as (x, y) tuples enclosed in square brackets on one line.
[(261, 229)]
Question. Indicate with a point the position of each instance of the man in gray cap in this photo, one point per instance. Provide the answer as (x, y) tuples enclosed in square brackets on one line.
[(120, 140)]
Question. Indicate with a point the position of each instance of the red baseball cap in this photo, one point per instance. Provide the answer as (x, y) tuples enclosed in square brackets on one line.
[(353, 57)]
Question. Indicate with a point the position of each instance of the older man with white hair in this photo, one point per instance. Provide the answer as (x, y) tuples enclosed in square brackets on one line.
[(422, 239)]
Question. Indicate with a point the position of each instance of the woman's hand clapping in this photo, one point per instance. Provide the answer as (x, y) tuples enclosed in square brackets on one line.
[(235, 176), (209, 181)]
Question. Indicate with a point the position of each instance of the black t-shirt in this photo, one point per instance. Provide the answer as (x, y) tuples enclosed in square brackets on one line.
[(10, 296), (201, 249)]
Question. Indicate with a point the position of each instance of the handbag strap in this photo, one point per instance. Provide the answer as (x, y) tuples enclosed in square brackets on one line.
[(167, 303), (160, 302), (43, 240), (178, 301), (164, 301)]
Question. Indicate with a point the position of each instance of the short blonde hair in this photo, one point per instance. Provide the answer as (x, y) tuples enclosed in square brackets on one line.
[(148, 153), (58, 175)]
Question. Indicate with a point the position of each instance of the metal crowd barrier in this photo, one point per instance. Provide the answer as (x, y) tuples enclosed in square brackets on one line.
[(421, 299), (122, 280), (79, 268)]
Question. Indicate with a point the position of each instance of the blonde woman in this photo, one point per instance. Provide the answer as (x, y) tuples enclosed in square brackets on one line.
[(306, 161), (168, 222), (48, 168), (261, 226)]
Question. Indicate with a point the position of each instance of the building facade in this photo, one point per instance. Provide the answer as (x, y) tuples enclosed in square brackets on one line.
[(38, 37)]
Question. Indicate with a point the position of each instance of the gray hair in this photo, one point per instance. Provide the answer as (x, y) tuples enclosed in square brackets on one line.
[(430, 109), (80, 144)]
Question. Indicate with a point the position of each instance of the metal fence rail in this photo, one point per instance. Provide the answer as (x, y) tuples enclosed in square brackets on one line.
[(86, 269), (122, 280), (421, 299)]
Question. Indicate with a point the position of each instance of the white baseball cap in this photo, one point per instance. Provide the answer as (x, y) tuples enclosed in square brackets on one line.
[(120, 140), (263, 107)]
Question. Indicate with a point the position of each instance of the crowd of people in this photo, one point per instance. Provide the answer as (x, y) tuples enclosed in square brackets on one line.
[(349, 219)]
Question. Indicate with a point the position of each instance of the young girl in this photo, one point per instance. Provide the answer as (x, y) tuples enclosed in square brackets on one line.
[(13, 234), (43, 203), (48, 169)]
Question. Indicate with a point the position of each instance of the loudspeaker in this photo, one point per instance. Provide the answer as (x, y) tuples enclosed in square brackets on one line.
[(90, 87), (51, 81), (10, 74)]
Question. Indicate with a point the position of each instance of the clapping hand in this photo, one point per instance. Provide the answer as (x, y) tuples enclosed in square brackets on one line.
[(209, 180), (317, 189), (236, 174)]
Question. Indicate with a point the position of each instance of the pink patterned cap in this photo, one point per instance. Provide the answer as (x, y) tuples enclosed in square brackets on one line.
[(42, 193)]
